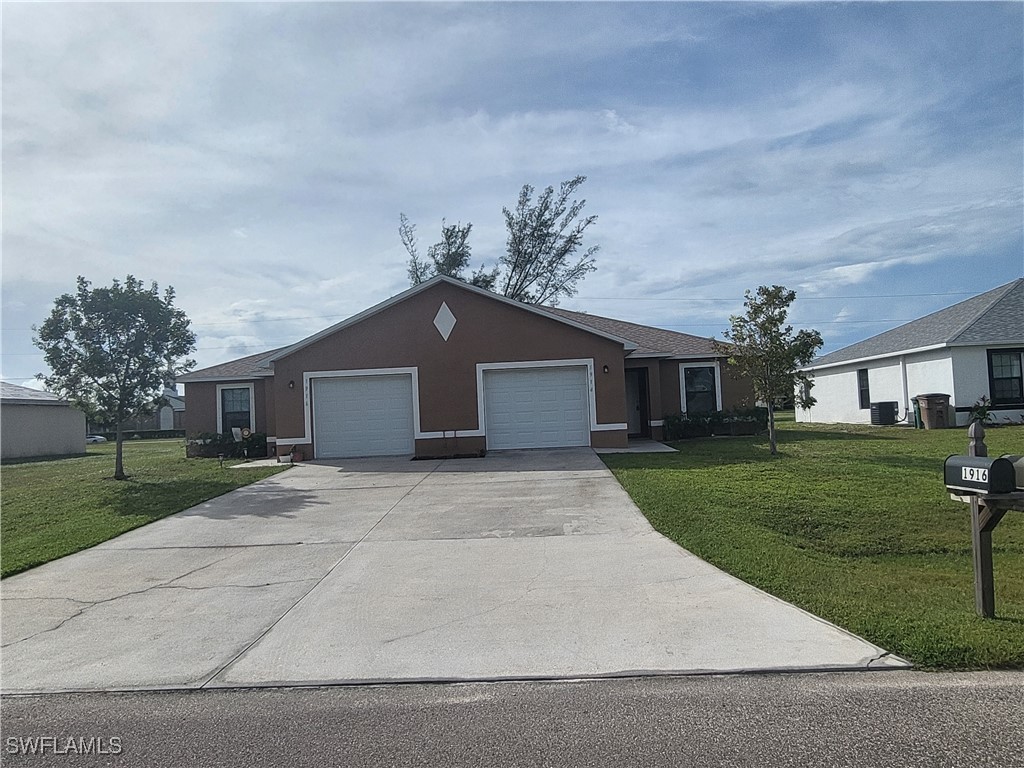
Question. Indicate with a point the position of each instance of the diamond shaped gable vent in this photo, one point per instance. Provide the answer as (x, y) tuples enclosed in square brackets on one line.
[(444, 321)]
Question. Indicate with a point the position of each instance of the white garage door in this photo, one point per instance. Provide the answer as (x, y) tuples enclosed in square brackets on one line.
[(363, 416), (536, 407)]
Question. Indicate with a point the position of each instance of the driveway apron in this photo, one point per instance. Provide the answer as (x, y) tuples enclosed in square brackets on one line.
[(524, 564)]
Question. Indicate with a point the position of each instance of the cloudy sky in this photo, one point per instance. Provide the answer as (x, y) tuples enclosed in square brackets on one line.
[(257, 156)]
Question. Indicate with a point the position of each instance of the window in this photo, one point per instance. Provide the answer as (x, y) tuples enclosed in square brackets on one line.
[(862, 388), (1004, 374), (700, 388), (235, 407)]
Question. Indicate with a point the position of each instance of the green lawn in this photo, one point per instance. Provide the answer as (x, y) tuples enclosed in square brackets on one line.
[(850, 523), (56, 507)]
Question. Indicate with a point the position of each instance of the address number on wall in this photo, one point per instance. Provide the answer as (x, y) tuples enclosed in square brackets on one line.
[(974, 474)]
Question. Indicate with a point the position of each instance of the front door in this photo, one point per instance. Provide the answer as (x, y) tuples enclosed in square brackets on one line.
[(636, 402)]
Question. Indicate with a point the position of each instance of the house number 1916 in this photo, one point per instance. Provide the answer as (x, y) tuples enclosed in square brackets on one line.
[(974, 474)]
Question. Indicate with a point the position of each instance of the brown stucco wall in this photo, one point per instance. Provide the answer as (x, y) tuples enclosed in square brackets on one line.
[(736, 392), (201, 405), (486, 330)]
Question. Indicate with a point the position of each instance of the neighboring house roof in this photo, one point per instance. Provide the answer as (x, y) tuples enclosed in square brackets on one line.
[(251, 366), (18, 395), (993, 317), (650, 341)]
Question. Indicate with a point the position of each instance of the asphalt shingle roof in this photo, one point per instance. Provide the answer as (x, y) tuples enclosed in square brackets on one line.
[(241, 368), (649, 340), (17, 394), (993, 317)]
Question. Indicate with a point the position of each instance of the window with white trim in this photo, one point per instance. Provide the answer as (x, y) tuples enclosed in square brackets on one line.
[(1006, 376), (700, 388), (235, 408)]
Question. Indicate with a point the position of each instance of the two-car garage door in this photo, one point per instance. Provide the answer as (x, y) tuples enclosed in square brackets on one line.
[(536, 407)]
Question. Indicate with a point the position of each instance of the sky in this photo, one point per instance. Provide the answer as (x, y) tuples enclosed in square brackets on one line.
[(256, 157)]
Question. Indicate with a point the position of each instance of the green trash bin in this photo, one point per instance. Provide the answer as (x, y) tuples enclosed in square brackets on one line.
[(917, 413)]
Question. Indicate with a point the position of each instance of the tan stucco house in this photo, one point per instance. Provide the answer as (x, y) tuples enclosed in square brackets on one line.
[(34, 423), (448, 369)]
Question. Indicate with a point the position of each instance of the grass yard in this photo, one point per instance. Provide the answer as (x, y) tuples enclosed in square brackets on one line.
[(52, 508), (851, 523)]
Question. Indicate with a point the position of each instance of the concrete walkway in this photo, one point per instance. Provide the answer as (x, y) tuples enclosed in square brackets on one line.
[(520, 565)]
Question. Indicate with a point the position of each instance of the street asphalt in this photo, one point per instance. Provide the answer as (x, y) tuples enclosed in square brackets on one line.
[(891, 719), (521, 565)]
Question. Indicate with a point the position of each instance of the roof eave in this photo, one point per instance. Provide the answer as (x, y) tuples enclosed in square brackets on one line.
[(239, 377), (882, 356)]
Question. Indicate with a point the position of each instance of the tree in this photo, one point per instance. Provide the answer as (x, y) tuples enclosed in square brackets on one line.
[(763, 348), (448, 257), (111, 350), (539, 265)]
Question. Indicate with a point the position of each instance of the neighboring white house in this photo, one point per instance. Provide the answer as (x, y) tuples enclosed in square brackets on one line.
[(34, 423), (970, 350)]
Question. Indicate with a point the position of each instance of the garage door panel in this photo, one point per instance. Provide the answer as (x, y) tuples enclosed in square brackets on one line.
[(363, 416), (537, 407)]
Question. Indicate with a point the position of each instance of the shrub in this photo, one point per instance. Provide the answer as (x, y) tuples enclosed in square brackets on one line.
[(209, 445), (733, 421)]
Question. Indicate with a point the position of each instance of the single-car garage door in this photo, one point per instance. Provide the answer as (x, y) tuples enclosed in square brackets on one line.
[(536, 407), (363, 416)]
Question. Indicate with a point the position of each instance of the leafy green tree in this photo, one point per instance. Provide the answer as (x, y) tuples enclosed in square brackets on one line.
[(541, 263), (111, 350), (764, 348), (449, 257)]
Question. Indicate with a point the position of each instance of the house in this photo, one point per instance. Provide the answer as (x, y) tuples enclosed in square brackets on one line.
[(167, 417), (968, 351), (448, 369), (34, 423)]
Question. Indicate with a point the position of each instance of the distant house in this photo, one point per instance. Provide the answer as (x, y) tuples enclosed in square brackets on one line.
[(34, 423), (169, 416), (970, 350)]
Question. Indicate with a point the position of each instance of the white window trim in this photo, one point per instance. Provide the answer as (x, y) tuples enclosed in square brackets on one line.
[(220, 405), (718, 382)]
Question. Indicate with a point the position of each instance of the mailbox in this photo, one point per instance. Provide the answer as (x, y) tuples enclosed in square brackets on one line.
[(978, 474), (1018, 468)]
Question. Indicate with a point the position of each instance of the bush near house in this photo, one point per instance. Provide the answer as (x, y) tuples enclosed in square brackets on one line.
[(732, 421), (210, 445), (852, 523)]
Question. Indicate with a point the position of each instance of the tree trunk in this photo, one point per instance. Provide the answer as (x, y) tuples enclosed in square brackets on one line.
[(771, 429), (119, 455)]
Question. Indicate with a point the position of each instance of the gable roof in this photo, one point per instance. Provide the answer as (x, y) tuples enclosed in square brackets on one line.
[(18, 395), (543, 311), (649, 341), (637, 340), (993, 317)]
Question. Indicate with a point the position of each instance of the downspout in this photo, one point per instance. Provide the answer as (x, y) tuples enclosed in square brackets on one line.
[(906, 388)]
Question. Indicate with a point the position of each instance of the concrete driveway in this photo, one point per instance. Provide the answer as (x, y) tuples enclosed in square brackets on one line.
[(529, 564)]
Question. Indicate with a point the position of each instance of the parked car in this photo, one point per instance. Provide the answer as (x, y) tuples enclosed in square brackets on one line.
[(95, 439)]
